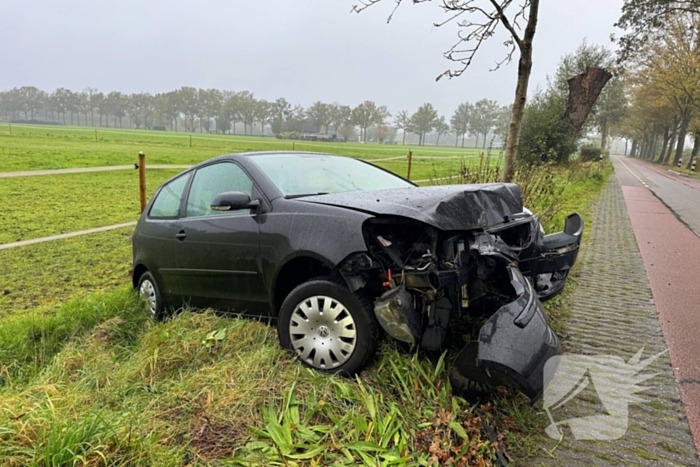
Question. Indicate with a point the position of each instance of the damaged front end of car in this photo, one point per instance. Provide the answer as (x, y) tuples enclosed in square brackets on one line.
[(459, 290), (545, 259)]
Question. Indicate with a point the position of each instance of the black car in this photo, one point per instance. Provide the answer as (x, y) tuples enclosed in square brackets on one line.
[(337, 250)]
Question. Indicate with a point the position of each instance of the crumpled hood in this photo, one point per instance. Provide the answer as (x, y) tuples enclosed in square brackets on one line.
[(450, 207)]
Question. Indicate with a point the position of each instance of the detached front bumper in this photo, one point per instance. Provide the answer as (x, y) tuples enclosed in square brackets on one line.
[(513, 347), (549, 258)]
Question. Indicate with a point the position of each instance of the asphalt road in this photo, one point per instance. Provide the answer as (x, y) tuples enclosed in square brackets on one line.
[(664, 209)]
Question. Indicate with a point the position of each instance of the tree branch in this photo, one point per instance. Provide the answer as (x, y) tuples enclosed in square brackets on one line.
[(506, 24)]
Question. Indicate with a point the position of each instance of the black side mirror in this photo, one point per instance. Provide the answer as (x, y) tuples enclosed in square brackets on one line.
[(233, 201)]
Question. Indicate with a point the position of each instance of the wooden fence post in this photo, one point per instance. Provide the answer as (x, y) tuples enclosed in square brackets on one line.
[(95, 134), (410, 159), (142, 180), (190, 140)]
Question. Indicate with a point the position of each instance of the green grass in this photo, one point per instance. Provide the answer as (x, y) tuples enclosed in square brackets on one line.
[(42, 276), (100, 384), (50, 147), (49, 205)]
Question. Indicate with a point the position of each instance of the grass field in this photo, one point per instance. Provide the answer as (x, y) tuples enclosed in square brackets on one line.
[(86, 379), (51, 147), (53, 204)]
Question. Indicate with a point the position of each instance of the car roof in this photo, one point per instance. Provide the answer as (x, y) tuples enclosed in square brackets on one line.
[(241, 155)]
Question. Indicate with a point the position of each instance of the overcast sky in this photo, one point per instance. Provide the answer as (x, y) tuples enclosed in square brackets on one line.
[(303, 50)]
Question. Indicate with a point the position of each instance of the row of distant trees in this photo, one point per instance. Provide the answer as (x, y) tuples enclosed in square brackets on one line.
[(215, 111)]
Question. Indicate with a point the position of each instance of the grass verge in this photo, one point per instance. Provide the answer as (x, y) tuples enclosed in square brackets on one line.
[(102, 385)]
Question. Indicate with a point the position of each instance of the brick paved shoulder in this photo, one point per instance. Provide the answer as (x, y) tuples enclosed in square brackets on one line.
[(613, 313)]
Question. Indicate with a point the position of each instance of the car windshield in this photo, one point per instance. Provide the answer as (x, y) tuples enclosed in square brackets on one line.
[(297, 175)]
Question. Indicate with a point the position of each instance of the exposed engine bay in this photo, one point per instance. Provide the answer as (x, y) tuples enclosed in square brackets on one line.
[(437, 290)]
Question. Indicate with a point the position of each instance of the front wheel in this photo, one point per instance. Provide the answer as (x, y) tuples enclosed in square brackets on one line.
[(328, 327)]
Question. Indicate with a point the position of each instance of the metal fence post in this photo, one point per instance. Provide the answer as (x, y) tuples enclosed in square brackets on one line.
[(142, 180)]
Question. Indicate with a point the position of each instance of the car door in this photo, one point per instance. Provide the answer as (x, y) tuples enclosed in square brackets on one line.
[(154, 238), (218, 253)]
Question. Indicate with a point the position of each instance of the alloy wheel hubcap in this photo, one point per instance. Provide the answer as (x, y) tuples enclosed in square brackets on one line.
[(322, 332), (148, 293)]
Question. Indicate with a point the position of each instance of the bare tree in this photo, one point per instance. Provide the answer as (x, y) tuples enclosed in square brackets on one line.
[(479, 20)]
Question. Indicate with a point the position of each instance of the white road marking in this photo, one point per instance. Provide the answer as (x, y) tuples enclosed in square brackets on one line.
[(634, 174)]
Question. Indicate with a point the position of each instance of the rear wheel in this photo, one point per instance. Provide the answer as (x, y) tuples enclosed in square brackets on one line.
[(150, 293), (328, 327)]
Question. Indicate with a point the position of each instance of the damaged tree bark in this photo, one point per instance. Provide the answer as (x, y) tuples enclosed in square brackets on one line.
[(584, 90)]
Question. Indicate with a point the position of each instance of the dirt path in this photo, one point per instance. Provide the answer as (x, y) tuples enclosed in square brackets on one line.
[(613, 316), (7, 246), (33, 173)]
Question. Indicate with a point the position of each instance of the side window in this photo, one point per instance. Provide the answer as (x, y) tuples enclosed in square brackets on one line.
[(167, 204), (213, 180)]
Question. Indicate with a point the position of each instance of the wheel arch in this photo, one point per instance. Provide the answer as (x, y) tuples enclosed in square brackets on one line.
[(139, 270), (294, 272)]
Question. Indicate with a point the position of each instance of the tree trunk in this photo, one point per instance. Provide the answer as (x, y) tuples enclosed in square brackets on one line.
[(463, 137), (633, 152), (681, 139), (524, 69), (404, 137), (604, 133), (476, 144), (694, 154), (584, 90), (667, 137), (667, 156), (484, 144)]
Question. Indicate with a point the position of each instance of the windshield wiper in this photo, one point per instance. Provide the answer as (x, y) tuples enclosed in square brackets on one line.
[(304, 195)]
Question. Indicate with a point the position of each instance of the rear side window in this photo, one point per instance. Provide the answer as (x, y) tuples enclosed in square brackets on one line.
[(212, 180), (167, 204)]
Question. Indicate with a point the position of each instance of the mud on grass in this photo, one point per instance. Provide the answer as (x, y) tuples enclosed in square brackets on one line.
[(112, 387)]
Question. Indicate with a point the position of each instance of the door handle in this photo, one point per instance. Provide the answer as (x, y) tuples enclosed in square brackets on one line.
[(181, 235)]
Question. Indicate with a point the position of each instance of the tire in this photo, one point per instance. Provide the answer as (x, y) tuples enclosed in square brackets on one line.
[(148, 290), (342, 342)]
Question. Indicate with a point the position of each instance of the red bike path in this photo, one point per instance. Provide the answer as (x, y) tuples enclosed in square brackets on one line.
[(671, 255)]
